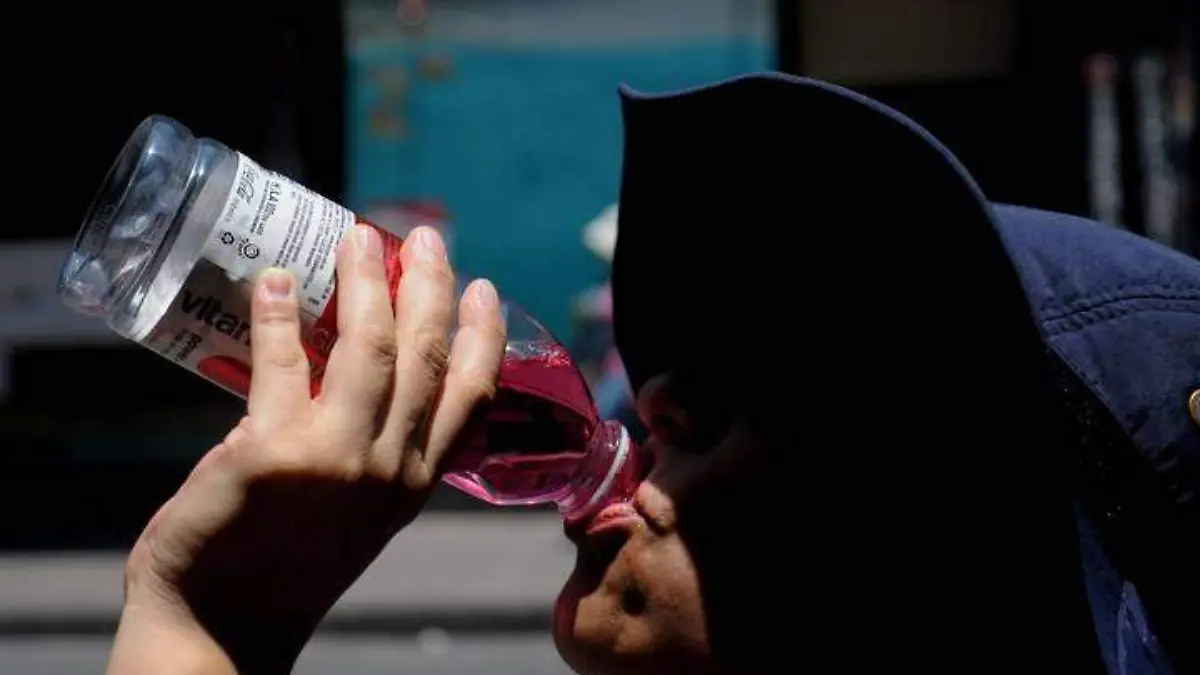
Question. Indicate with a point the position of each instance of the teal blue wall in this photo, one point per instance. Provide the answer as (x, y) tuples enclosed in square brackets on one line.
[(523, 146)]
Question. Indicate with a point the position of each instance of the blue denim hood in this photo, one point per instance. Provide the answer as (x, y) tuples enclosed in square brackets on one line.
[(771, 155)]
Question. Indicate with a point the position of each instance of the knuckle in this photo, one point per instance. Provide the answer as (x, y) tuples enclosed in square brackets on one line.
[(496, 333), (323, 452), (433, 280), (237, 443), (431, 348), (475, 387), (216, 459), (286, 461), (372, 271), (240, 435), (286, 358), (415, 475), (345, 466), (438, 271), (380, 470), (137, 566), (443, 275), (277, 318), (377, 342)]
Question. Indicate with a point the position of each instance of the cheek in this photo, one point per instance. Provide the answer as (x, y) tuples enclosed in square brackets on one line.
[(570, 632), (665, 593), (669, 486), (646, 608), (587, 619)]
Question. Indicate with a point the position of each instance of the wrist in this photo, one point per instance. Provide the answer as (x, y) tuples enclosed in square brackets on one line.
[(156, 636), (151, 642)]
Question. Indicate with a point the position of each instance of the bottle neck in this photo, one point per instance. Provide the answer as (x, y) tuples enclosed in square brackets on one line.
[(609, 473)]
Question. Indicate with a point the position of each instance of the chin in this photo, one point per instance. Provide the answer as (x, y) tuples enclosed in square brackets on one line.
[(579, 638), (590, 629), (596, 633), (632, 603)]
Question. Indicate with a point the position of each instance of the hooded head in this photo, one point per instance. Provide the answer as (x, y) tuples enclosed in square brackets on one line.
[(851, 407)]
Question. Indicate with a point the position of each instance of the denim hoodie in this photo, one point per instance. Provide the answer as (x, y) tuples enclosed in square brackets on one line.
[(870, 218)]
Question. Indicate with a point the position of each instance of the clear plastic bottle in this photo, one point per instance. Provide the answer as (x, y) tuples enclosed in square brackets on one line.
[(173, 242)]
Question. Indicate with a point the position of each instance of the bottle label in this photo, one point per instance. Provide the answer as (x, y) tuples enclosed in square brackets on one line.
[(268, 220)]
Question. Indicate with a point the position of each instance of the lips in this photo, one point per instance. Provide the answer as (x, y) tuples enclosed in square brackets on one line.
[(601, 538), (621, 515)]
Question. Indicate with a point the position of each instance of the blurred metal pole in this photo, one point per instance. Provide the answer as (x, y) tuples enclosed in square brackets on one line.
[(1104, 139), (1160, 210), (787, 36)]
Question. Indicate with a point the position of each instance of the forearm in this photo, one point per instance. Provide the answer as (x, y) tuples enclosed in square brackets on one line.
[(147, 644), (155, 638)]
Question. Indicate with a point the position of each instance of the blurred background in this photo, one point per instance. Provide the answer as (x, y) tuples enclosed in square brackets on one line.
[(498, 121)]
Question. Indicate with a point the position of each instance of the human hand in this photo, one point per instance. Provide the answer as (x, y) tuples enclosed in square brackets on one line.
[(278, 520)]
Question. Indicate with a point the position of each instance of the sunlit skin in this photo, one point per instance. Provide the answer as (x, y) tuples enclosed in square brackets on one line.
[(664, 584), (646, 594)]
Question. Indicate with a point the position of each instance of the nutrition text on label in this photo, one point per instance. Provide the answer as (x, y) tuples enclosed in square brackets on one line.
[(269, 220)]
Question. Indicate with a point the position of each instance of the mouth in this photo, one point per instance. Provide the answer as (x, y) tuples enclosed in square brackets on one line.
[(622, 515), (600, 539)]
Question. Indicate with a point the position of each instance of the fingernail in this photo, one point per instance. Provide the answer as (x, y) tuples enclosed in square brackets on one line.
[(277, 284), (484, 295), (367, 242), (429, 245)]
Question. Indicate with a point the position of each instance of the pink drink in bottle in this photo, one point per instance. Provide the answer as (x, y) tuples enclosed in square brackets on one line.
[(174, 240)]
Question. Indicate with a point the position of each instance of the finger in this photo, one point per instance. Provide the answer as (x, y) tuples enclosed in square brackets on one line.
[(424, 312), (358, 376), (279, 379), (474, 370)]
